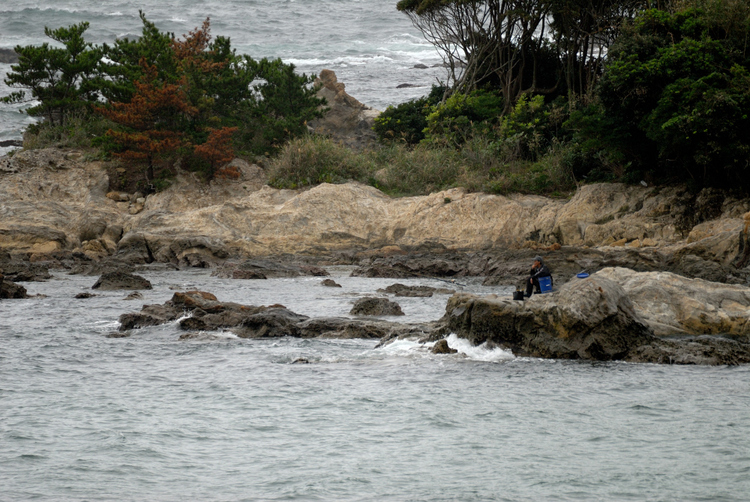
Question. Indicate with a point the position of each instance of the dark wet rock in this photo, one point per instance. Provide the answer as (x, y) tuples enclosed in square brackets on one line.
[(150, 315), (373, 306), (119, 334), (266, 269), (420, 66), (86, 266), (193, 324), (404, 86), (271, 323), (136, 295), (301, 360), (111, 281), (246, 321), (11, 142), (19, 270), (11, 290), (441, 347), (248, 274), (415, 291), (83, 296), (330, 283)]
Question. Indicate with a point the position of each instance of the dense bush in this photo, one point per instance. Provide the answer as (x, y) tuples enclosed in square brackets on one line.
[(407, 121), (680, 84)]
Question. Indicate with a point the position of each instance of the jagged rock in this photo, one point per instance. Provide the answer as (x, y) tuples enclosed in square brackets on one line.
[(121, 280), (347, 120), (373, 306), (83, 296), (441, 347), (330, 283)]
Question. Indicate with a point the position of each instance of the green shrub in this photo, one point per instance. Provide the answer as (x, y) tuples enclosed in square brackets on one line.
[(311, 160), (406, 122), (462, 116)]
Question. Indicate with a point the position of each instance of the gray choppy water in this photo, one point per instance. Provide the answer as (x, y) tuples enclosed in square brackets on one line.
[(85, 417), (370, 45)]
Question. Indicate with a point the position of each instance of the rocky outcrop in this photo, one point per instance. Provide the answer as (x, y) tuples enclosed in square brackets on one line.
[(590, 319), (674, 305), (52, 202), (112, 281), (346, 120), (374, 306), (202, 311)]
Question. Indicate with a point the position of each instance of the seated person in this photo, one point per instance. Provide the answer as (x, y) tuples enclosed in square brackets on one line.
[(538, 269)]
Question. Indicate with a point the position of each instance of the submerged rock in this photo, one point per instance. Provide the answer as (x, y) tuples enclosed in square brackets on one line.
[(415, 291)]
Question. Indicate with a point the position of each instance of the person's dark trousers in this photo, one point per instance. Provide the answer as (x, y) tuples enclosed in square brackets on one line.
[(531, 285)]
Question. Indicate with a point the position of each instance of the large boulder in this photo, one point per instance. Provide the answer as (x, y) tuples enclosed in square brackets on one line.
[(675, 305), (588, 319), (374, 306), (116, 280), (11, 290)]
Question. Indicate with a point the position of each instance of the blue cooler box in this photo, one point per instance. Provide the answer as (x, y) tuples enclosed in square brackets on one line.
[(545, 284)]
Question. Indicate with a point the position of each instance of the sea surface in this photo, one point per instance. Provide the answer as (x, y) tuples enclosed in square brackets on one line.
[(84, 417), (371, 46)]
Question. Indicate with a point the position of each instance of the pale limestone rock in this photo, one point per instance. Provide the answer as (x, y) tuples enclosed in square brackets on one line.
[(672, 304)]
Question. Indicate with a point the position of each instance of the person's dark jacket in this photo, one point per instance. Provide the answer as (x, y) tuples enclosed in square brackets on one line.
[(542, 271)]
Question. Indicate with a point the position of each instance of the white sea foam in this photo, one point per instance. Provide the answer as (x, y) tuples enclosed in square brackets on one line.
[(478, 352)]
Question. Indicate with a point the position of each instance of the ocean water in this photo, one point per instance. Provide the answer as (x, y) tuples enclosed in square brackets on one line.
[(84, 417), (371, 46)]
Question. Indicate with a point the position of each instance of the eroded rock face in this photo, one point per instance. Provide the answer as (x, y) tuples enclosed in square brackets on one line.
[(589, 319), (674, 305)]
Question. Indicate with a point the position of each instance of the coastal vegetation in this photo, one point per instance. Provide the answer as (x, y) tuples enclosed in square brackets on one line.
[(539, 97)]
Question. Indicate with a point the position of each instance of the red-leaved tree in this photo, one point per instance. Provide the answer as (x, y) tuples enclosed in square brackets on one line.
[(150, 121)]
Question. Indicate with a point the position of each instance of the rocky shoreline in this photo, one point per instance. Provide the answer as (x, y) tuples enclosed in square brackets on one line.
[(681, 259)]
